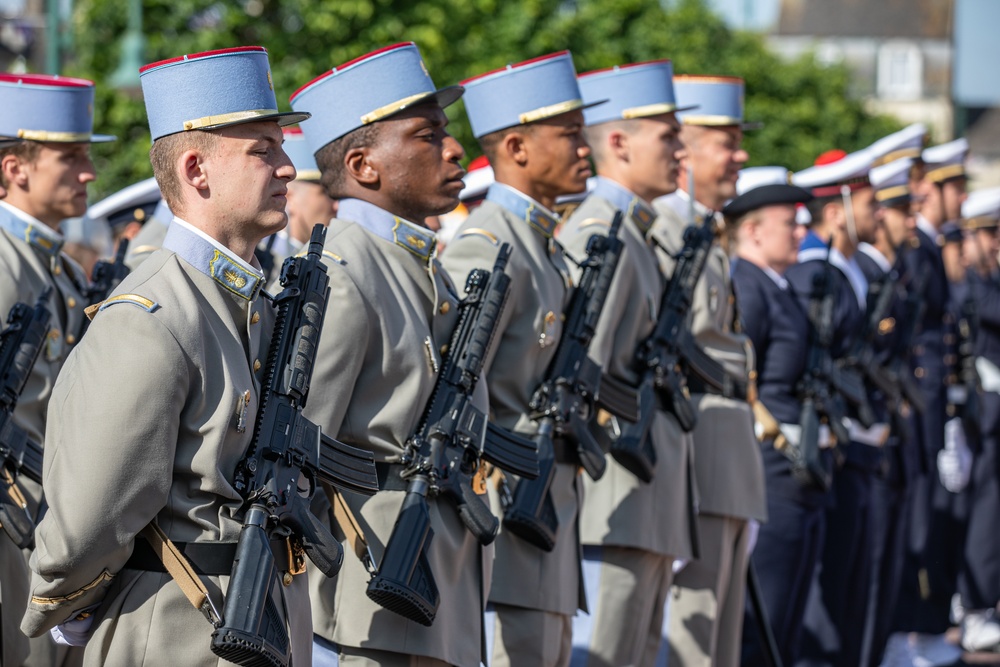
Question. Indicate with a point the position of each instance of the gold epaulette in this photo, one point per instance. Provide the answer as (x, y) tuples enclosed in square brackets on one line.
[(134, 299), (476, 231), (590, 222)]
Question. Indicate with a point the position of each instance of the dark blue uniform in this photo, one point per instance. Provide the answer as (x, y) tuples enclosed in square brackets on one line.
[(928, 577), (834, 619), (979, 583), (900, 463), (789, 544)]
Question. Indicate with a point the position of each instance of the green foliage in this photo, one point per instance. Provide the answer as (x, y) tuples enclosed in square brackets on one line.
[(803, 105)]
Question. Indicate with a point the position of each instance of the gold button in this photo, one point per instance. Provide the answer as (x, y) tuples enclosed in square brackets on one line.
[(919, 372), (255, 318), (71, 302), (286, 578), (256, 365), (445, 307), (57, 270), (70, 338), (444, 349)]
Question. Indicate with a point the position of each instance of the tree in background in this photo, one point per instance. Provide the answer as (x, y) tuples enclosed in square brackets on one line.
[(804, 105)]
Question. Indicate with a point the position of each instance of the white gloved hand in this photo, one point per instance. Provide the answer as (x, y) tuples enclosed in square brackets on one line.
[(75, 632), (954, 462), (753, 527), (679, 564)]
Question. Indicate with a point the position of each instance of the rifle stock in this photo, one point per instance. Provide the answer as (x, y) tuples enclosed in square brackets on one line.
[(633, 450)]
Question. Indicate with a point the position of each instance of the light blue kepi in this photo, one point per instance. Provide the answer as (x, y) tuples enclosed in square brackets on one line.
[(638, 90), (302, 158), (209, 90), (523, 93), (718, 100), (43, 107), (368, 89)]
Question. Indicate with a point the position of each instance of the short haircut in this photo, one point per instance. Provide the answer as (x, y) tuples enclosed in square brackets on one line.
[(597, 136), (490, 143), (330, 158), (164, 154), (815, 206), (24, 151)]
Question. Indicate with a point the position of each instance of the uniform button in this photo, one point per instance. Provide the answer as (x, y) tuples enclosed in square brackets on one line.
[(444, 349), (255, 318), (919, 372), (434, 269), (70, 338), (57, 270), (71, 302), (445, 307), (256, 365)]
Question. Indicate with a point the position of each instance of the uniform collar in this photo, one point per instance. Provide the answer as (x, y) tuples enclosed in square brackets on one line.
[(31, 230), (776, 277), (416, 239), (924, 225), (626, 201), (539, 218), (213, 259), (876, 256)]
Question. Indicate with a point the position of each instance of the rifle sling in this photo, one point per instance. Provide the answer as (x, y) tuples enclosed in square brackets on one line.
[(181, 571), (348, 523)]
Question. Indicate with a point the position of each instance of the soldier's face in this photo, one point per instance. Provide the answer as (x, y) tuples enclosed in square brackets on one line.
[(899, 224), (417, 163), (953, 193), (55, 185), (778, 236), (655, 153), (557, 154), (716, 155), (866, 214), (308, 205), (248, 176)]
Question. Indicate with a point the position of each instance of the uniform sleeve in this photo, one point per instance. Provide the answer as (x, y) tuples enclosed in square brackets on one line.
[(347, 328), (108, 464), (753, 316)]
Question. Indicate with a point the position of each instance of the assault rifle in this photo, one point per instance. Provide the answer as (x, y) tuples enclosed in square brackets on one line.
[(20, 344), (564, 403), (285, 447), (107, 275), (914, 306), (443, 457), (664, 358), (825, 387), (965, 397)]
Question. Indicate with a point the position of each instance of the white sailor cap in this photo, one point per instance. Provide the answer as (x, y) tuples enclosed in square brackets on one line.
[(892, 181), (135, 202), (946, 161), (478, 179), (754, 177), (981, 210), (834, 170), (908, 142)]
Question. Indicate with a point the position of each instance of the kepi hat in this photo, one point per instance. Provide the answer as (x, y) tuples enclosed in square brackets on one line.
[(44, 107), (632, 91)]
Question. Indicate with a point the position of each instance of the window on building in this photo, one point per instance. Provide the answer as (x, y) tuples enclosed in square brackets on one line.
[(900, 71)]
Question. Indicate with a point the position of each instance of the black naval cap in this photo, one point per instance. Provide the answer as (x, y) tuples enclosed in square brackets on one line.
[(765, 195)]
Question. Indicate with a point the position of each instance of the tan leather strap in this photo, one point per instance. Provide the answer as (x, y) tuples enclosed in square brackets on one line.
[(181, 571), (352, 529)]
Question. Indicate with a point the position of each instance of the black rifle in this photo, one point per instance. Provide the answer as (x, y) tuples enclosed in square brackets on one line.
[(285, 447), (443, 456), (914, 306), (563, 405), (20, 344), (106, 276), (967, 403), (665, 357), (824, 389)]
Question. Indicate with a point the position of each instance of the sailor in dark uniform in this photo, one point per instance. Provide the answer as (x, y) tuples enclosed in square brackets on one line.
[(979, 582), (844, 213), (882, 264), (762, 224), (931, 563)]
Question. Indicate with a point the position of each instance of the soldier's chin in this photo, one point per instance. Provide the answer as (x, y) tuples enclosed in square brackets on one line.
[(446, 203)]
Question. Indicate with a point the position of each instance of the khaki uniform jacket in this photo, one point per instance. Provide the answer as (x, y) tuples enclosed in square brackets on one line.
[(728, 463), (391, 309), (619, 510), (29, 263), (526, 342), (149, 418)]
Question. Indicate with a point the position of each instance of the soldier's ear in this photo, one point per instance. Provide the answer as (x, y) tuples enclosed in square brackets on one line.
[(14, 172), (361, 165), (618, 142), (191, 168), (514, 146)]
